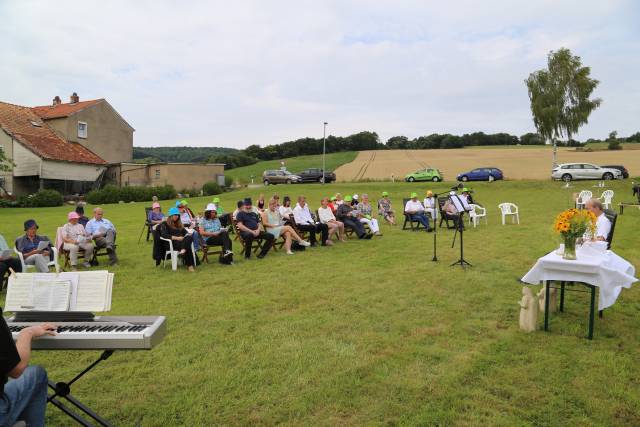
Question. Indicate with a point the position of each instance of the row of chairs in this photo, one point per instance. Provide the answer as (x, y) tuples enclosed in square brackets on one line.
[(585, 195)]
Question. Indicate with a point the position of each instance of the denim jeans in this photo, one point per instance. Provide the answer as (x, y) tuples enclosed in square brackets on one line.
[(25, 398), (421, 218)]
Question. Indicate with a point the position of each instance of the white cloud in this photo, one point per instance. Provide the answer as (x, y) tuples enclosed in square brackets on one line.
[(233, 74)]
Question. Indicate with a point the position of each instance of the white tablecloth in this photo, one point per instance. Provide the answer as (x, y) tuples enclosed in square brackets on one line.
[(609, 272)]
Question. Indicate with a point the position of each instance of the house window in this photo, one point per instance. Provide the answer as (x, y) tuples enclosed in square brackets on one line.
[(157, 173), (82, 130)]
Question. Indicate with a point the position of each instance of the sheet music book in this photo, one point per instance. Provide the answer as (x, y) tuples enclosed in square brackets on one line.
[(68, 291), (44, 244)]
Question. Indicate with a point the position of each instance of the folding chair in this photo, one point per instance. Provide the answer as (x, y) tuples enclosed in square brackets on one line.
[(256, 245), (443, 215), (613, 217), (413, 224), (147, 224)]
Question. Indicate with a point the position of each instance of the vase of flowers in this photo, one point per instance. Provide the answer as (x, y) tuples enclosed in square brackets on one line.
[(571, 225)]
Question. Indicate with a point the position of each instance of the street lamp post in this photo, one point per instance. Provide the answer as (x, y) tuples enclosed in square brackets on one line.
[(324, 149)]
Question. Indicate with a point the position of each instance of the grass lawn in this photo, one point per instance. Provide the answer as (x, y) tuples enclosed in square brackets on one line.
[(365, 332), (295, 164)]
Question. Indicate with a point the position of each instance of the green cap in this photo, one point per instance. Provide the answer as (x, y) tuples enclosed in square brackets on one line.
[(184, 202), (333, 198), (414, 195), (465, 189), (384, 193), (216, 200), (347, 198)]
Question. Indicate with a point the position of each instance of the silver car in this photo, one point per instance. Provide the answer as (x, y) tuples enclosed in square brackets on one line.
[(570, 171)]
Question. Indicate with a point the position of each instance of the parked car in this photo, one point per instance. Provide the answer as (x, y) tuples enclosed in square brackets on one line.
[(625, 172), (426, 174), (481, 174), (315, 175), (570, 171), (276, 176)]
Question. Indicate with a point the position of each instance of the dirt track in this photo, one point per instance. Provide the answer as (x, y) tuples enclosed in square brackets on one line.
[(516, 163)]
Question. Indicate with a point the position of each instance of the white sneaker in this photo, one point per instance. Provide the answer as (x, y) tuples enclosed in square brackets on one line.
[(290, 253), (304, 243)]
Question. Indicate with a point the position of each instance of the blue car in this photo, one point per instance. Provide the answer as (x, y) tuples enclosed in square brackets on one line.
[(481, 174)]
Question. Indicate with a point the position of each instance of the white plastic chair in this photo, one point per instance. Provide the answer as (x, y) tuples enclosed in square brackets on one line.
[(582, 199), (607, 198), (476, 213), (509, 209), (173, 254), (26, 267)]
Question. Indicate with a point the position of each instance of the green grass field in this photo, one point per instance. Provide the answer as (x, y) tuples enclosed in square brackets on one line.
[(295, 164), (365, 332)]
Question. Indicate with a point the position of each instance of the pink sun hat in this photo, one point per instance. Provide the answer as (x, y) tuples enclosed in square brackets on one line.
[(73, 215)]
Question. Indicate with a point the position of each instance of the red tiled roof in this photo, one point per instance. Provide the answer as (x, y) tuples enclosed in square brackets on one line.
[(63, 110), (42, 140)]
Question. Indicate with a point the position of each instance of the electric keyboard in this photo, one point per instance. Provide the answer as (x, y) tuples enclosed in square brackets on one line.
[(101, 333)]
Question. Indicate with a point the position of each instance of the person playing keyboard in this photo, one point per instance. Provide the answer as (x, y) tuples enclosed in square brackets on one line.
[(24, 398)]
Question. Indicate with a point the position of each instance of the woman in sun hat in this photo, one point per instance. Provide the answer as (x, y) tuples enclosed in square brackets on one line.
[(75, 239), (155, 214), (366, 210), (385, 209), (174, 230), (430, 204)]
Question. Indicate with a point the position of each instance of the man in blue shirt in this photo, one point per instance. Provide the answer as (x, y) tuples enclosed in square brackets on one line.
[(249, 226), (103, 233)]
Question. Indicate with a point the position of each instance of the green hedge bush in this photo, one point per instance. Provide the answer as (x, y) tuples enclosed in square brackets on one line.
[(113, 194), (210, 188), (41, 199)]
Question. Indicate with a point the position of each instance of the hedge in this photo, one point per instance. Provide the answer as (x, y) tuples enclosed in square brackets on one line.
[(211, 188), (113, 194), (41, 199)]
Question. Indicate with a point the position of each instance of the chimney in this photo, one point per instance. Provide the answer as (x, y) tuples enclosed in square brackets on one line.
[(74, 98), (57, 100)]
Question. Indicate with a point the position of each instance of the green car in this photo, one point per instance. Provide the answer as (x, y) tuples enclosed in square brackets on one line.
[(427, 174)]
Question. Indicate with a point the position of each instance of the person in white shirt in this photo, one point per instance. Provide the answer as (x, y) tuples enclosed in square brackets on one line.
[(285, 208), (415, 210), (103, 233), (326, 216), (603, 225), (304, 222), (430, 204)]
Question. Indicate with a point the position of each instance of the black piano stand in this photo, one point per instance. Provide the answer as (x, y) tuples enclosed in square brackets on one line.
[(63, 390)]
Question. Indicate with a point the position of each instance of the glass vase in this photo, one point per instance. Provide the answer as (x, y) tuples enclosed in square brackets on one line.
[(569, 248)]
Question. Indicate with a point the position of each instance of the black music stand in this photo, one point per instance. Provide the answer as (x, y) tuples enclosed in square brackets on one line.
[(460, 206)]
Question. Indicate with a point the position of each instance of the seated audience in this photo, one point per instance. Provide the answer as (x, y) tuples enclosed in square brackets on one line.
[(249, 226), (285, 209), (354, 200), (451, 212), (603, 225), (7, 261), (466, 193), (24, 398), (385, 209), (326, 216), (274, 224), (261, 202), (214, 235), (225, 218), (430, 205), (103, 233), (338, 201), (174, 230), (28, 243), (76, 238), (305, 222), (189, 221), (332, 205), (349, 217), (365, 210), (83, 219), (155, 214), (239, 206), (415, 210)]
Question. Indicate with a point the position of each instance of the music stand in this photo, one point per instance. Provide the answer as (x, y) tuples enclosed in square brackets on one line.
[(462, 207)]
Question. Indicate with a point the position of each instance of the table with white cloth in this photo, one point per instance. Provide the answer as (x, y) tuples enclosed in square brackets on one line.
[(593, 268)]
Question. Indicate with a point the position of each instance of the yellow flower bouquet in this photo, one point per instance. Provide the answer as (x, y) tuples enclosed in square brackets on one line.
[(571, 225)]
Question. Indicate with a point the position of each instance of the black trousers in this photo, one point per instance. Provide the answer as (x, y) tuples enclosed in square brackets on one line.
[(313, 229), (248, 239), (5, 264), (186, 245), (225, 219), (355, 225), (221, 239)]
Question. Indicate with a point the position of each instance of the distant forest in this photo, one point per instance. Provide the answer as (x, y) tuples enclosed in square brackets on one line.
[(179, 154)]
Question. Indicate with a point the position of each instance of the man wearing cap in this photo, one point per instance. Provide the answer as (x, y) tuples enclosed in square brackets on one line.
[(415, 210), (103, 233), (155, 214), (305, 222), (249, 226), (214, 235), (429, 204), (75, 237), (28, 243), (347, 215)]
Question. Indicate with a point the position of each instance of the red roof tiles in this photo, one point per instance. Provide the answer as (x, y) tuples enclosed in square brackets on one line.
[(63, 110), (28, 128)]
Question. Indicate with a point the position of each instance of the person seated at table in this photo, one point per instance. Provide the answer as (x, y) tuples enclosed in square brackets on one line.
[(24, 398), (430, 205), (75, 238), (603, 225), (285, 210), (155, 214), (349, 217), (83, 218), (326, 216), (365, 211), (103, 233), (305, 222), (249, 226), (386, 210), (273, 223), (416, 212), (8, 261), (174, 230), (215, 235), (28, 243)]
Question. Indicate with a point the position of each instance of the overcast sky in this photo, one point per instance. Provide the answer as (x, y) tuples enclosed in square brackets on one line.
[(222, 73)]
